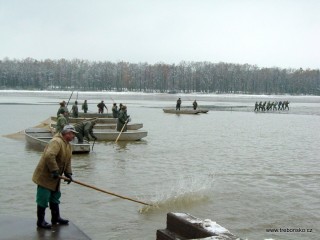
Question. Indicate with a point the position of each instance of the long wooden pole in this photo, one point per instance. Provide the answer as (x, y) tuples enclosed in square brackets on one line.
[(70, 98), (104, 191), (121, 130)]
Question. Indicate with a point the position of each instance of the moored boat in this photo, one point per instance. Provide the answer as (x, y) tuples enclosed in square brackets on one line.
[(39, 137), (181, 111), (99, 120), (112, 135), (93, 115), (130, 126), (203, 110)]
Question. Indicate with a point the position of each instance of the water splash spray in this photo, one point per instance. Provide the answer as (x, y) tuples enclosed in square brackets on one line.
[(185, 193)]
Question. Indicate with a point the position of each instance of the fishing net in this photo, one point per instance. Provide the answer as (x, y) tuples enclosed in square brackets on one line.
[(20, 135)]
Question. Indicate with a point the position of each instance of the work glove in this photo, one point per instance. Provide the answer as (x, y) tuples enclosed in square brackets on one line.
[(55, 174), (68, 175)]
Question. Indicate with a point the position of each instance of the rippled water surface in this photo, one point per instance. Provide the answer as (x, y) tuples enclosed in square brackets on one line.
[(247, 171)]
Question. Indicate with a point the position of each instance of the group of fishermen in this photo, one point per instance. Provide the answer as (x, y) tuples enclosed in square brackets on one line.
[(178, 105), (268, 106), (85, 129)]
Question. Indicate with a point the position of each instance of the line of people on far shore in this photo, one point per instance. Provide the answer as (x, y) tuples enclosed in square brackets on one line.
[(271, 106)]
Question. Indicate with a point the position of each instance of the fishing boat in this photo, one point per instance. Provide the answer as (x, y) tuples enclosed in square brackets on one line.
[(181, 111), (203, 110), (112, 135), (98, 120), (94, 115), (39, 137), (130, 126)]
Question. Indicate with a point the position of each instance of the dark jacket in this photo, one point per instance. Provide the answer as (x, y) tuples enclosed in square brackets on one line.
[(122, 118), (85, 130)]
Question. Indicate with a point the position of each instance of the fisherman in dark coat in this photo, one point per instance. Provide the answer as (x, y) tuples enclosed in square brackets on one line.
[(55, 161), (123, 119), (61, 121), (85, 106), (101, 107), (195, 105), (75, 111), (178, 104), (64, 107), (115, 111), (85, 130)]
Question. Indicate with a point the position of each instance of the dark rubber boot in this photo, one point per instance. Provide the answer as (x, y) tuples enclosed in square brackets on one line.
[(55, 213), (41, 223)]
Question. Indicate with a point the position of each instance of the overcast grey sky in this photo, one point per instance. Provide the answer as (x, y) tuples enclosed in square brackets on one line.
[(266, 33)]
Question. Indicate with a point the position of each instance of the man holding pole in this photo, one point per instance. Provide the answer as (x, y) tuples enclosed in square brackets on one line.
[(123, 119), (55, 161)]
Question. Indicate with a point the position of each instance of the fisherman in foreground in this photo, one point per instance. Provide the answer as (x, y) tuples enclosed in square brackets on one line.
[(55, 161)]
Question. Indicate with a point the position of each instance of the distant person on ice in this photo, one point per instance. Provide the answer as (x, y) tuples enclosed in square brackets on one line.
[(195, 105), (85, 106), (75, 111), (101, 107), (178, 104), (115, 111)]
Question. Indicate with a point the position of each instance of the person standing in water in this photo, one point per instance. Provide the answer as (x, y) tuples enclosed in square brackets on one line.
[(54, 162), (195, 105), (85, 106), (178, 104)]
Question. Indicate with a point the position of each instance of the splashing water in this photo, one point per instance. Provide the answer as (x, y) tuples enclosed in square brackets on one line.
[(184, 194)]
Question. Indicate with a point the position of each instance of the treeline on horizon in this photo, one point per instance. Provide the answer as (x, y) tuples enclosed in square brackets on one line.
[(185, 77)]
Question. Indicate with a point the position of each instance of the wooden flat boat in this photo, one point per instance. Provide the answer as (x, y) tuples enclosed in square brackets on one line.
[(93, 115), (111, 135), (99, 120), (203, 110), (181, 111), (39, 137), (100, 126)]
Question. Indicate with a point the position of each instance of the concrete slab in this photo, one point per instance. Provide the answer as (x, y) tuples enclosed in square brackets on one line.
[(13, 228)]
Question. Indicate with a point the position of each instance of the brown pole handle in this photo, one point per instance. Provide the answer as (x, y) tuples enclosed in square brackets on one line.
[(121, 130), (104, 191)]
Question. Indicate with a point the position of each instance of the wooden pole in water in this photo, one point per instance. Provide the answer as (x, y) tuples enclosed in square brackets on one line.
[(104, 191), (121, 130), (93, 144)]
